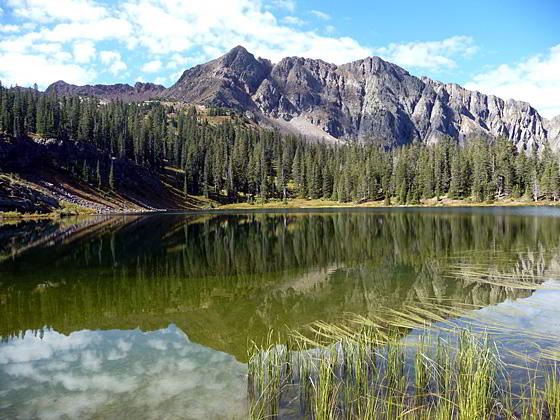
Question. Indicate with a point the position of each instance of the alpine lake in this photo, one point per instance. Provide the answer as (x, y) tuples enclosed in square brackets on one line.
[(152, 316)]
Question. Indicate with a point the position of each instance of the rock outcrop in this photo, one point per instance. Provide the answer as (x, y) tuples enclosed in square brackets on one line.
[(125, 92), (366, 100), (553, 130)]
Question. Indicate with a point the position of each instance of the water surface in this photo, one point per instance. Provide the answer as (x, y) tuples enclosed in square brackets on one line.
[(151, 315)]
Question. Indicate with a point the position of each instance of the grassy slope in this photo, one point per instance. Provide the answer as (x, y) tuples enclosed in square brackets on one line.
[(87, 199)]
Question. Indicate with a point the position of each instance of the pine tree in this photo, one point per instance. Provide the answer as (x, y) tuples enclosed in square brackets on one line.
[(98, 174), (185, 186), (85, 172), (206, 174), (112, 182)]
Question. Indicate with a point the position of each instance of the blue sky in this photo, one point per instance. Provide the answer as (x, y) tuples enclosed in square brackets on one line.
[(508, 48)]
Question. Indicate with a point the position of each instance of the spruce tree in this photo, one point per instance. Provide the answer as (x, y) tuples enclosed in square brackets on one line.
[(112, 181), (85, 172), (98, 174)]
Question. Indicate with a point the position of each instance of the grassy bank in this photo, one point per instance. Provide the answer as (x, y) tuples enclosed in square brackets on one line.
[(368, 375), (442, 202), (67, 209)]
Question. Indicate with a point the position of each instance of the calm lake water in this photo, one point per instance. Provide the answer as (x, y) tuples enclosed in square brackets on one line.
[(149, 317)]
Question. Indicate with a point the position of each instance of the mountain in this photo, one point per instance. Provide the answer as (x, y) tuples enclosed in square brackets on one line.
[(125, 92), (366, 100), (229, 81), (553, 129)]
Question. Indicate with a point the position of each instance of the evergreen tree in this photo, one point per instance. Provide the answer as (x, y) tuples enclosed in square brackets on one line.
[(112, 181), (85, 172)]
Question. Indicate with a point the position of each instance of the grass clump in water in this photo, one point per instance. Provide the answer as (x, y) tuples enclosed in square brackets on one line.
[(368, 375)]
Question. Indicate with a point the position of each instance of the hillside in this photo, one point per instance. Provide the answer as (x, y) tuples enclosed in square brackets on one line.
[(40, 176)]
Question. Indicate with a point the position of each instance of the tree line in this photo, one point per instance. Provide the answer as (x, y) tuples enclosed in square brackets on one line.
[(238, 160)]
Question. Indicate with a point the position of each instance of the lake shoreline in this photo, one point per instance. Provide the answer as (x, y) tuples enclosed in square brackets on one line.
[(301, 204)]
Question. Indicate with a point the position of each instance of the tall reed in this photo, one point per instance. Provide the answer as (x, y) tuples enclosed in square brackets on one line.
[(366, 376)]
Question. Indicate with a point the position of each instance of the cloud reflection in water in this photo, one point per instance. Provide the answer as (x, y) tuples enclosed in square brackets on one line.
[(112, 374)]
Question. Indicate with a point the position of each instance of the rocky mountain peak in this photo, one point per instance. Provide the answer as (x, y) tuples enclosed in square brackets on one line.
[(366, 100)]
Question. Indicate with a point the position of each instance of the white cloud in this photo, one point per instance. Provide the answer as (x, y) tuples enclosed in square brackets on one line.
[(215, 27), (175, 76), (41, 70), (105, 29), (160, 80), (182, 34), (289, 5), (435, 55), (107, 57), (152, 66), (84, 51), (320, 15), (535, 80), (113, 60), (181, 60), (59, 10), (9, 28), (293, 20)]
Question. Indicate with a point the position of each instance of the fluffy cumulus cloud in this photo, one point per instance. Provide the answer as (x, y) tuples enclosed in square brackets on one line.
[(113, 60), (535, 80), (84, 41), (9, 28), (430, 55), (40, 69), (84, 51), (293, 20), (59, 10), (152, 66)]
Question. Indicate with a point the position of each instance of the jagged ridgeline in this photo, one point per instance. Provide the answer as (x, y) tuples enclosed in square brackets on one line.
[(226, 278), (223, 154), (366, 100)]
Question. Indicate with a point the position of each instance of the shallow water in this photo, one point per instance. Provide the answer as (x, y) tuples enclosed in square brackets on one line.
[(150, 316)]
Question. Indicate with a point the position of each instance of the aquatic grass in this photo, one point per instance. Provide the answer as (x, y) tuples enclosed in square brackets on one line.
[(475, 382), (365, 377), (552, 394), (269, 372), (449, 368)]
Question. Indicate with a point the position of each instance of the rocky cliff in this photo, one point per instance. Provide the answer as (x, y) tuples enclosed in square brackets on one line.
[(553, 130), (366, 100), (125, 92)]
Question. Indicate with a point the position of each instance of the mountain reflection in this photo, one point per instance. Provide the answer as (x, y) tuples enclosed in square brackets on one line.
[(224, 278)]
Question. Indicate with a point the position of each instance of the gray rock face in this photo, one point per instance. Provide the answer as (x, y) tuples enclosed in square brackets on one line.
[(366, 100), (553, 130), (228, 81)]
